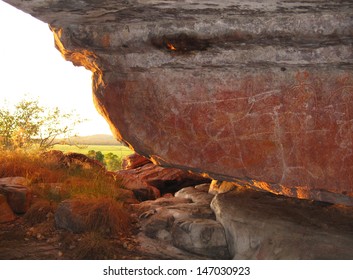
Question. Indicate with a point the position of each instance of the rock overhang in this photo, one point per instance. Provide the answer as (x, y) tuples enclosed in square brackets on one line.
[(232, 89)]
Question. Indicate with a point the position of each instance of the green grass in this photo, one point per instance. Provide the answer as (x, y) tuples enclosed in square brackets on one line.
[(120, 151)]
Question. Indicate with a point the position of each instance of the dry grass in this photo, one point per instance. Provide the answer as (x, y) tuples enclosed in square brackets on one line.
[(39, 212), (104, 215), (54, 182), (97, 197), (28, 165), (93, 246)]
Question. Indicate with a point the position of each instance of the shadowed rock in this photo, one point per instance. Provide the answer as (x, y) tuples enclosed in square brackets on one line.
[(18, 196), (184, 222), (259, 225), (150, 181)]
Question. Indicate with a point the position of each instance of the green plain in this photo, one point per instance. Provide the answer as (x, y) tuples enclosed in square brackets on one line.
[(119, 150)]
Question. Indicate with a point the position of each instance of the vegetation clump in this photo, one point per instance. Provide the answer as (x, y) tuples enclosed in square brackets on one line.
[(99, 200)]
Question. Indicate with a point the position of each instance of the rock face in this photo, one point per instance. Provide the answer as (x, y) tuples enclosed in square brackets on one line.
[(260, 225), (233, 89)]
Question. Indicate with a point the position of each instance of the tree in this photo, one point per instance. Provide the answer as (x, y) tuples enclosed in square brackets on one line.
[(30, 124), (96, 155), (112, 161), (100, 156)]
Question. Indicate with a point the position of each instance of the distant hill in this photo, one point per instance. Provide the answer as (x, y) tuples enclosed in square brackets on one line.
[(97, 139)]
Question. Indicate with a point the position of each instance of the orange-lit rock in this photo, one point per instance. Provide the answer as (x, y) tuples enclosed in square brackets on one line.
[(19, 197), (133, 161), (150, 181), (256, 91)]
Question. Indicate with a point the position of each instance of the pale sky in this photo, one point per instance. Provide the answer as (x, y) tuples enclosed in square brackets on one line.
[(30, 64)]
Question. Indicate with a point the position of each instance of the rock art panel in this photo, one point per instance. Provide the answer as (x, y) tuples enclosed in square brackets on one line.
[(229, 89)]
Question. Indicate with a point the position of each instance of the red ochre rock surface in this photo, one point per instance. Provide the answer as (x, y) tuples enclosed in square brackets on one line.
[(229, 89)]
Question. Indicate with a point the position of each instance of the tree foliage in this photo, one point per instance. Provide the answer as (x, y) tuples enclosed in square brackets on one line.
[(29, 124), (110, 160), (96, 155)]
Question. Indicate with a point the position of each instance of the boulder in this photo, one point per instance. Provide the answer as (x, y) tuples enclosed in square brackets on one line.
[(150, 181), (54, 157), (197, 195), (200, 236), (184, 222), (67, 216), (259, 90), (133, 161), (98, 214), (6, 214), (83, 161), (19, 197), (260, 225)]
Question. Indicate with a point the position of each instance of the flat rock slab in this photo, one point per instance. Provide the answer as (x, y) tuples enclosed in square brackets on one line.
[(260, 225)]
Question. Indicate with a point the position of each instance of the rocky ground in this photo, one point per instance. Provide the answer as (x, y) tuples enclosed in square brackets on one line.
[(21, 241), (37, 227), (201, 221)]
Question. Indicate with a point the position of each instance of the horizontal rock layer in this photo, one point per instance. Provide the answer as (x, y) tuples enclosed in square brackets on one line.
[(231, 89)]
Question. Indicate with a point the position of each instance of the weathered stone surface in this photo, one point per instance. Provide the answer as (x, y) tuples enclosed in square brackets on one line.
[(6, 214), (197, 195), (184, 222), (19, 197), (234, 89), (150, 181), (298, 192), (68, 217), (260, 225), (133, 161), (201, 236)]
